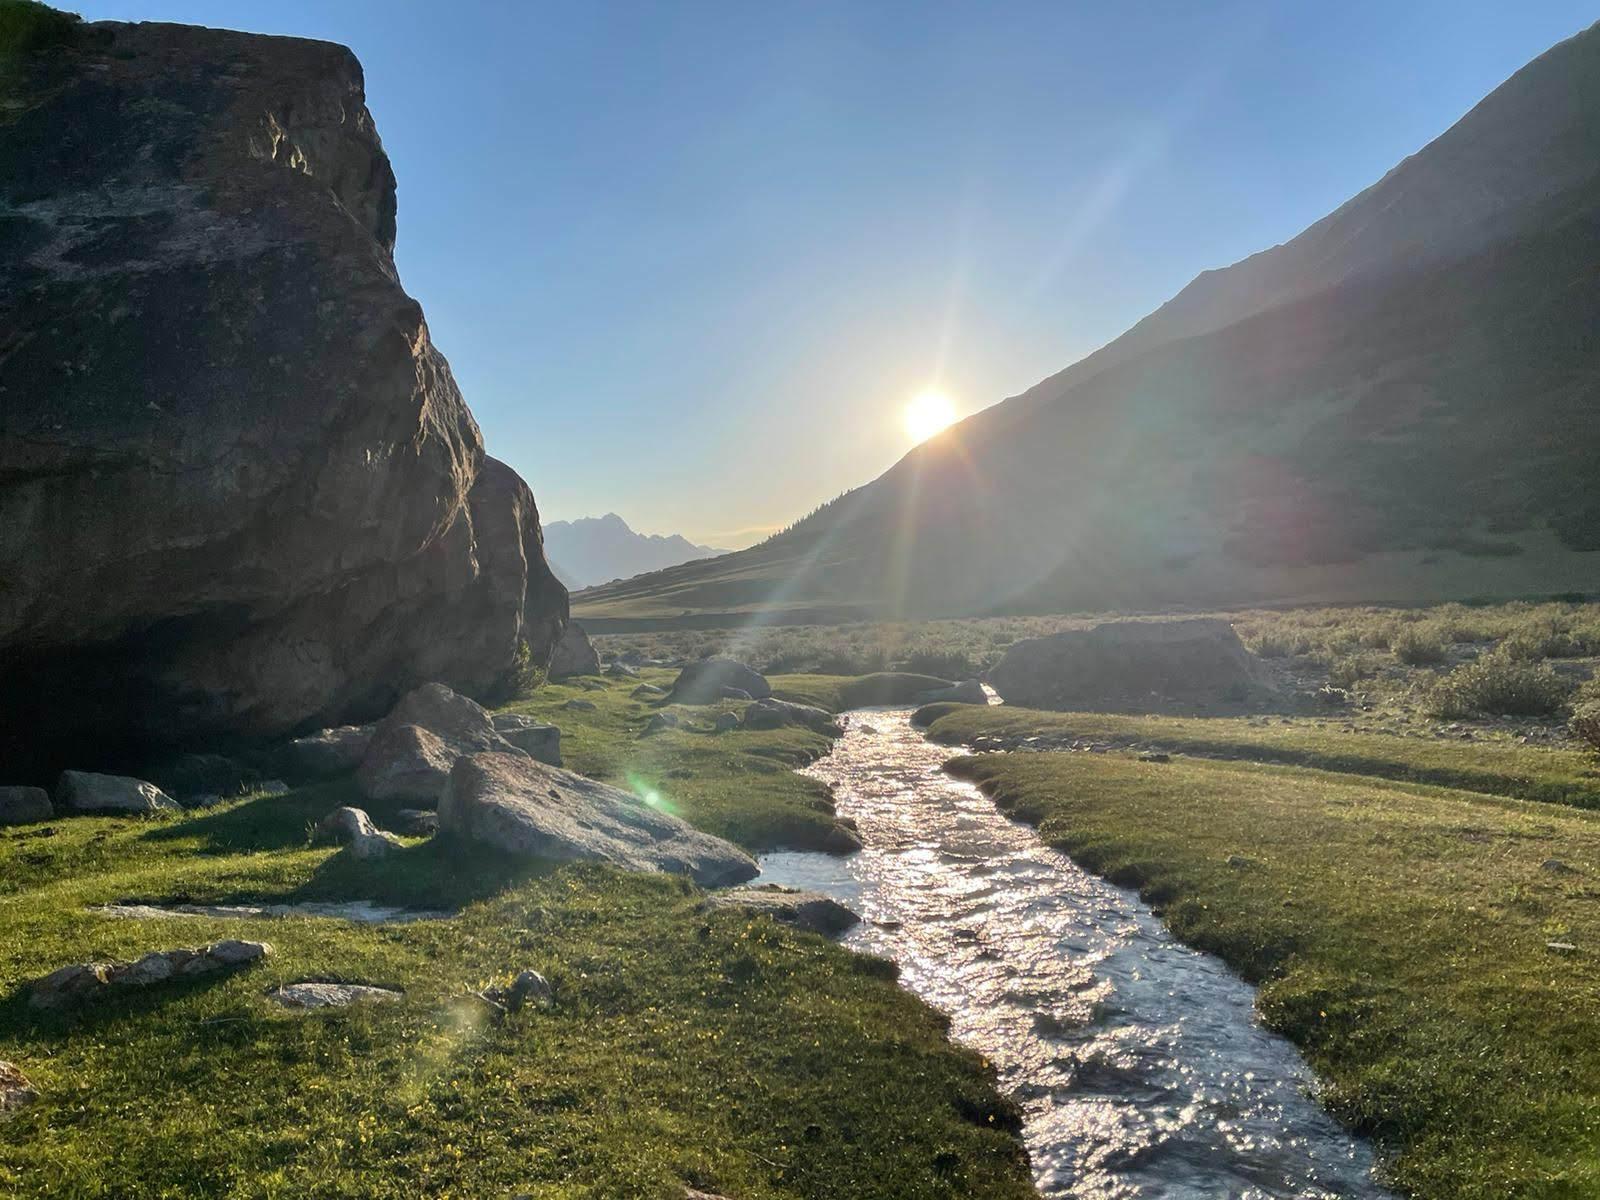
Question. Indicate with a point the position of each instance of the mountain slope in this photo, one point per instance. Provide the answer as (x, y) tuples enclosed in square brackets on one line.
[(1401, 403), (593, 550)]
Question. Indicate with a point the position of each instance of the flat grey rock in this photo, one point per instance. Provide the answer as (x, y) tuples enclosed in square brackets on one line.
[(812, 911), (531, 808), (775, 714), (316, 994), (80, 982)]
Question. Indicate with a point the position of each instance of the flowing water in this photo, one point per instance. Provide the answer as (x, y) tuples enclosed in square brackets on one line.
[(1140, 1064)]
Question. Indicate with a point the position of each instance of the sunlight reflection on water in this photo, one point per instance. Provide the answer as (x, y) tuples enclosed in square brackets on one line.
[(1139, 1063)]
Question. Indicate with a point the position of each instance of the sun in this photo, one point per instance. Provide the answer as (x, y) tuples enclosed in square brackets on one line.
[(928, 414)]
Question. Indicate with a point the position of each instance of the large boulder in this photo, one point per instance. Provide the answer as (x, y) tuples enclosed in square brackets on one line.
[(574, 654), (527, 807), (88, 792), (1133, 665), (414, 747), (243, 496), (24, 805), (703, 682)]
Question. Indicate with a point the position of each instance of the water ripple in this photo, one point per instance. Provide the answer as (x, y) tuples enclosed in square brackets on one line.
[(1140, 1065)]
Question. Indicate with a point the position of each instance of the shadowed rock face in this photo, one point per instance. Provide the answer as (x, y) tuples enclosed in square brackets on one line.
[(241, 494)]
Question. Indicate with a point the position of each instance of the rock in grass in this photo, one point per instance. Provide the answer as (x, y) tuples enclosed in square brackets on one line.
[(660, 721), (725, 722), (702, 682), (15, 1090), (621, 670), (534, 738), (811, 911), (87, 792), (326, 752), (312, 993), (529, 987), (525, 807), (414, 747), (574, 654), (1142, 665), (352, 828), (577, 705), (647, 691), (86, 981), (24, 805), (775, 714)]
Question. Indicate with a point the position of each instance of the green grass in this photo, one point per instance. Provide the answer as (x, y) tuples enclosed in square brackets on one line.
[(1497, 766), (1399, 933), (712, 1050)]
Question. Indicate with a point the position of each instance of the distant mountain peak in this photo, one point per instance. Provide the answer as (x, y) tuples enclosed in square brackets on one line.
[(591, 550)]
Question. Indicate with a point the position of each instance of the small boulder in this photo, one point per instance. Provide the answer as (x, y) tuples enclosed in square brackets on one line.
[(1155, 756), (457, 720), (574, 654), (702, 682), (647, 691), (405, 763), (660, 721), (85, 981), (15, 1090), (534, 738), (812, 911), (24, 805), (352, 828), (529, 808), (968, 691), (621, 670), (577, 705), (311, 993), (326, 752), (87, 792), (725, 722), (775, 714)]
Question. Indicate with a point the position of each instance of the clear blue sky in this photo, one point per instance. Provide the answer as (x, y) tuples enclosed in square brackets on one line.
[(689, 260)]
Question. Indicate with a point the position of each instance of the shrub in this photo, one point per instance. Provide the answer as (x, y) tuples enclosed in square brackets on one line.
[(1497, 684), (1585, 724), (1350, 669), (1278, 643), (1419, 646), (946, 664)]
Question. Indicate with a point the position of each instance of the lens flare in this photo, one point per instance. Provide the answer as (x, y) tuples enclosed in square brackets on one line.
[(928, 414)]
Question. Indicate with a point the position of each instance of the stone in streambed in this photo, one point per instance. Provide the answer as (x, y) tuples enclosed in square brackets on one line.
[(811, 911), (526, 807)]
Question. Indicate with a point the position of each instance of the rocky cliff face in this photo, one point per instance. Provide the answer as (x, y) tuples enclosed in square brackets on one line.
[(240, 492)]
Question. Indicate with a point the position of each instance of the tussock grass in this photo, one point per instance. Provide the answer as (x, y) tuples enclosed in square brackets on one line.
[(1497, 684), (1400, 935)]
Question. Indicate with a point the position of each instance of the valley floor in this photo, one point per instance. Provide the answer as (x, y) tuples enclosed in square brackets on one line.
[(716, 1051)]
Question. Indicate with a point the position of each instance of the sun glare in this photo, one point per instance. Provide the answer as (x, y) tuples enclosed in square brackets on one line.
[(928, 414)]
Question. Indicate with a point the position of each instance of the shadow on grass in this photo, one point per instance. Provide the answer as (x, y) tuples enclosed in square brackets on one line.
[(115, 1005), (264, 823), (442, 872)]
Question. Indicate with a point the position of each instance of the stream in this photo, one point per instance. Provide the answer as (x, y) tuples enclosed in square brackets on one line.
[(1140, 1064)]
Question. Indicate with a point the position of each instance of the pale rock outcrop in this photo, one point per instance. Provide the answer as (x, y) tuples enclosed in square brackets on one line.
[(313, 993), (414, 747), (15, 1090), (516, 804), (87, 792)]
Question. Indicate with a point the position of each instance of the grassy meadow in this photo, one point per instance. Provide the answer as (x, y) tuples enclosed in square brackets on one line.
[(715, 1051)]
